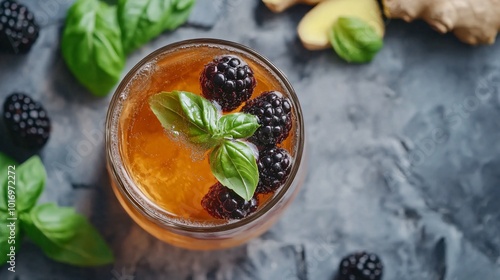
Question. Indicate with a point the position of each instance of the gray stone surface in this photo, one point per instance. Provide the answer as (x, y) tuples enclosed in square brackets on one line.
[(404, 156)]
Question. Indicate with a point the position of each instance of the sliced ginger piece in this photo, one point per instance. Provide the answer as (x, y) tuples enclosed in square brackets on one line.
[(315, 27), (279, 6)]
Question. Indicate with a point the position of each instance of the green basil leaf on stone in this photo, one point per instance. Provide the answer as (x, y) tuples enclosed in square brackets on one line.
[(30, 182), (355, 40), (238, 125), (66, 236), (92, 45), (5, 177), (181, 9), (233, 164), (142, 20)]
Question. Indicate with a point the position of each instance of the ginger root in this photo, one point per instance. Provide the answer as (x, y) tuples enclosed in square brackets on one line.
[(314, 28), (278, 6), (472, 21)]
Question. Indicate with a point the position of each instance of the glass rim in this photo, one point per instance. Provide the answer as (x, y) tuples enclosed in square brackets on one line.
[(131, 190)]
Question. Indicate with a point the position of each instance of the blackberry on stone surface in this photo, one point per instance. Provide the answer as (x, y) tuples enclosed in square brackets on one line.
[(274, 165), (223, 203), (26, 121), (275, 117), (360, 266), (228, 80), (18, 29)]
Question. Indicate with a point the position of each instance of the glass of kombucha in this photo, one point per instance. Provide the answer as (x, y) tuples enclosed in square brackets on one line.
[(159, 181)]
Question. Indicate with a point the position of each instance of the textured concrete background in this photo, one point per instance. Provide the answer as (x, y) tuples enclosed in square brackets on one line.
[(404, 156)]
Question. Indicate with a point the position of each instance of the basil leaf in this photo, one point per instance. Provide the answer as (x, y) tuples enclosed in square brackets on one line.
[(188, 114), (180, 13), (5, 162), (142, 20), (10, 236), (91, 45), (30, 183), (354, 40), (238, 125), (233, 164), (66, 236)]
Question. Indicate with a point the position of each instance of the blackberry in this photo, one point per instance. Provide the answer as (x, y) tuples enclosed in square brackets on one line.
[(228, 80), (223, 203), (275, 117), (274, 167), (26, 121), (361, 266), (18, 29)]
